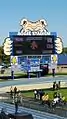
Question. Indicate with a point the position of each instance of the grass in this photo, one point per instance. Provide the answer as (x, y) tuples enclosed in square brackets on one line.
[(49, 91), (23, 74), (58, 73)]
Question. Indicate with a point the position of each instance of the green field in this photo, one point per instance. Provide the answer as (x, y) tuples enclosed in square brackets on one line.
[(49, 91)]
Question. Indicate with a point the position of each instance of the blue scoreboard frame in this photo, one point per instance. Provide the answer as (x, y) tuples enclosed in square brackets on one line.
[(42, 45)]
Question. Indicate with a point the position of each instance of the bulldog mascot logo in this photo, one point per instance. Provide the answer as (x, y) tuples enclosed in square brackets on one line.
[(33, 28)]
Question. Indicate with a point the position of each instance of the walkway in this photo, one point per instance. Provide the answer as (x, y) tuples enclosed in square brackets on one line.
[(9, 108)]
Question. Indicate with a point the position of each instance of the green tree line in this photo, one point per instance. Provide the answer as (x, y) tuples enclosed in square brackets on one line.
[(65, 50), (4, 58)]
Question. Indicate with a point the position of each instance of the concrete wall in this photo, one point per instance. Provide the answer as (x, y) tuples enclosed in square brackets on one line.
[(60, 69)]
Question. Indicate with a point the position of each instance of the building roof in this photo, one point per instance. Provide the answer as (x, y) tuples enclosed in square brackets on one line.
[(62, 59)]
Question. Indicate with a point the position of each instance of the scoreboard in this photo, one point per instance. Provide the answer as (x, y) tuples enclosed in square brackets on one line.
[(33, 45)]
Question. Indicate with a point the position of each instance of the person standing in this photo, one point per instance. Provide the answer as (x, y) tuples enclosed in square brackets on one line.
[(53, 72), (16, 104), (15, 90), (35, 94), (11, 91)]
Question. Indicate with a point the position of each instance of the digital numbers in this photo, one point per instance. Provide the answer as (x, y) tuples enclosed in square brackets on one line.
[(49, 46), (49, 40), (33, 45)]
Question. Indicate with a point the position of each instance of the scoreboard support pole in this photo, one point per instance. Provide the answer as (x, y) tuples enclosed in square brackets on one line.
[(12, 74), (38, 74), (53, 72), (28, 73)]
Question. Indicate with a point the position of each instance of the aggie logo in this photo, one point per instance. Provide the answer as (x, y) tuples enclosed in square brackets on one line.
[(54, 59), (14, 60)]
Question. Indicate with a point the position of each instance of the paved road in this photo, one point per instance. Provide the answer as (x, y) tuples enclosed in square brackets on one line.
[(26, 81), (36, 114)]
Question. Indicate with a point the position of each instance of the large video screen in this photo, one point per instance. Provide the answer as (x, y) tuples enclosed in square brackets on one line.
[(33, 45)]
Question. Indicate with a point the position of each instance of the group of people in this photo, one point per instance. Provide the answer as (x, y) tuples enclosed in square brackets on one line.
[(16, 97), (58, 98), (38, 94), (56, 85), (45, 99), (13, 91), (41, 95)]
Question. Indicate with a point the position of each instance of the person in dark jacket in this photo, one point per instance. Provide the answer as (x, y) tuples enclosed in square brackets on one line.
[(3, 114), (15, 90), (16, 104)]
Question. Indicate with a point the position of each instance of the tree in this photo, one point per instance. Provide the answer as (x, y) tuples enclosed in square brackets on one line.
[(4, 58), (1, 54), (65, 50)]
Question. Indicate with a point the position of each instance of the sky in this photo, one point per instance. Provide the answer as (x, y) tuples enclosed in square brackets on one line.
[(54, 11)]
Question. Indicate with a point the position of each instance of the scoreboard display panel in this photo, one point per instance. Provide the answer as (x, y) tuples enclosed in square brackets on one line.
[(33, 45)]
